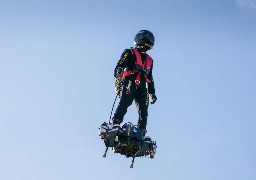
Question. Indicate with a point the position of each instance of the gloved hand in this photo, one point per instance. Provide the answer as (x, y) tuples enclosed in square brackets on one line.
[(154, 98), (118, 72)]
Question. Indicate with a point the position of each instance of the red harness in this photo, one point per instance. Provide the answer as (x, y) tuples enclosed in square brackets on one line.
[(145, 67)]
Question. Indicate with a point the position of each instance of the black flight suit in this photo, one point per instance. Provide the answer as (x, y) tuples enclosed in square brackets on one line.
[(132, 92)]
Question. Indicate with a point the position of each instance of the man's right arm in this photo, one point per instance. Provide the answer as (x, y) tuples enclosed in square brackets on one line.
[(123, 62)]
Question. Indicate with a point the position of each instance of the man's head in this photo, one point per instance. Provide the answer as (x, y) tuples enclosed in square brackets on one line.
[(144, 40)]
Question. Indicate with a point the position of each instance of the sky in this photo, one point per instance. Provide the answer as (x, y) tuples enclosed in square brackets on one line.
[(56, 88)]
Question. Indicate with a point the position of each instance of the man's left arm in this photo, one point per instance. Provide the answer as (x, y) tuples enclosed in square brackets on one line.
[(151, 86)]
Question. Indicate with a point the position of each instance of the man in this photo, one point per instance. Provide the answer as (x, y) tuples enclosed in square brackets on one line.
[(135, 69)]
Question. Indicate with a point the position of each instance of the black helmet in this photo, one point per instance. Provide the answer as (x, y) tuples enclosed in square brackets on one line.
[(144, 39)]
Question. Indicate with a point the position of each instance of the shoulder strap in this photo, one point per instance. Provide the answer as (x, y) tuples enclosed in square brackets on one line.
[(149, 62), (138, 57)]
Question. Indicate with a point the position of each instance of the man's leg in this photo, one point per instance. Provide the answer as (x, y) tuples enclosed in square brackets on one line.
[(125, 101), (142, 100)]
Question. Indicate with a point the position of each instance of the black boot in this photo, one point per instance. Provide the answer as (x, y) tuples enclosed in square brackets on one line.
[(144, 131), (116, 125), (116, 122)]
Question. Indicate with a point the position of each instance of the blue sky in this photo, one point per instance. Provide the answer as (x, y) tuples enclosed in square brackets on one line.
[(57, 87)]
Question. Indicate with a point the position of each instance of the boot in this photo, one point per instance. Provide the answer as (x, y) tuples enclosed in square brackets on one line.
[(144, 131), (115, 122)]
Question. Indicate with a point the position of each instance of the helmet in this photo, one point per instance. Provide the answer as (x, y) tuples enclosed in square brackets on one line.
[(144, 39)]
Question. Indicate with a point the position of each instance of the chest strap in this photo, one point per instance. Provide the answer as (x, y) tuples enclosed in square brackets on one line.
[(138, 77)]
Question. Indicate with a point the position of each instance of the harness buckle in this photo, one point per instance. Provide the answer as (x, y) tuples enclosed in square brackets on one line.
[(137, 82)]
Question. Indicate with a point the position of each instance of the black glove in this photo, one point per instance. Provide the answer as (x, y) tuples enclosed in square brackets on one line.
[(119, 72), (154, 98)]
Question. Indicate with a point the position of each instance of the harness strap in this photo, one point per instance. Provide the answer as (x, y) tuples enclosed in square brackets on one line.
[(137, 80), (146, 65), (138, 57), (128, 73)]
